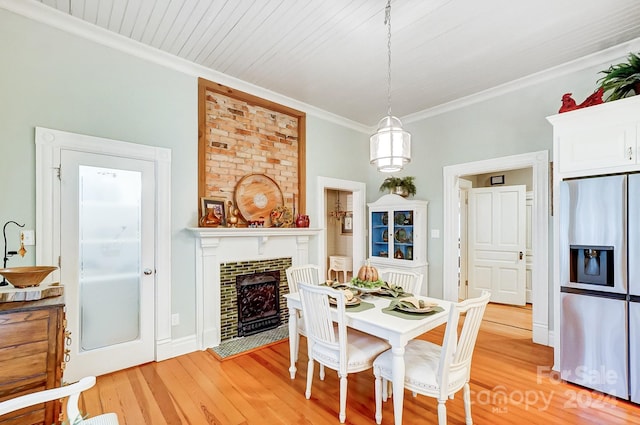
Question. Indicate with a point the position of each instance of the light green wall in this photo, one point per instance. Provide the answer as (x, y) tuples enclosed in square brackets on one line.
[(508, 124), (53, 79)]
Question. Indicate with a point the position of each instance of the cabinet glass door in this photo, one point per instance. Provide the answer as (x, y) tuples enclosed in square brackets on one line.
[(403, 234), (380, 245)]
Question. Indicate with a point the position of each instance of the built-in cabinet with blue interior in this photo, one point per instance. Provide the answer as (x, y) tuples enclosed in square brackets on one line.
[(398, 235)]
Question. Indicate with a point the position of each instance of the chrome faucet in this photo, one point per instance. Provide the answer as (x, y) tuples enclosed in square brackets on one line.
[(9, 253)]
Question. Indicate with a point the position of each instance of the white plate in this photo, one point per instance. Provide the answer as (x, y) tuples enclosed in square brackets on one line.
[(352, 301), (426, 309), (415, 310)]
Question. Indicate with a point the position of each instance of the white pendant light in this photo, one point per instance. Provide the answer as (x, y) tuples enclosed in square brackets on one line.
[(390, 146)]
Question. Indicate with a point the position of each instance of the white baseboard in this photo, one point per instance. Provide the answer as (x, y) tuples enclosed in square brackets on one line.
[(173, 348), (540, 334)]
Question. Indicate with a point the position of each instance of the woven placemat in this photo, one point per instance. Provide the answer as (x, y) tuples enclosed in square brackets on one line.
[(360, 307)]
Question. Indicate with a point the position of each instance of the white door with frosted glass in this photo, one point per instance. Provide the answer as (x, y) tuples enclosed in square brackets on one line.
[(497, 241), (107, 261)]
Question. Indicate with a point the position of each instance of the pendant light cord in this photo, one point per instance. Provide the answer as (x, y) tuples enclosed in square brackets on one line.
[(387, 21)]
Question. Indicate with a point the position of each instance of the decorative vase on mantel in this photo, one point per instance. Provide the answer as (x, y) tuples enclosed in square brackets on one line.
[(210, 219), (302, 220)]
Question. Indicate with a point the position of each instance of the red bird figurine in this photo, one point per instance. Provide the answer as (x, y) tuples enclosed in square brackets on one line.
[(568, 104)]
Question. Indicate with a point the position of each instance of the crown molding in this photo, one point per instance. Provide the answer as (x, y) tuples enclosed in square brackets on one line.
[(598, 58), (62, 21), (49, 16)]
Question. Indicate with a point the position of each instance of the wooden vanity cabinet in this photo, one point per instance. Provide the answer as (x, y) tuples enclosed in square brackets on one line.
[(31, 356)]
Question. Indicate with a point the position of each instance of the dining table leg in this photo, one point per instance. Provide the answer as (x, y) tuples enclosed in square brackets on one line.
[(397, 372), (293, 341)]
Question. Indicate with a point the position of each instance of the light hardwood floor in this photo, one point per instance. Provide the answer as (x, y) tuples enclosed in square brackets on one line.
[(511, 383)]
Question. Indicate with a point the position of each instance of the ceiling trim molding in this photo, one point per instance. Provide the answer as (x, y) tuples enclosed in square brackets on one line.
[(599, 58), (56, 19), (49, 16)]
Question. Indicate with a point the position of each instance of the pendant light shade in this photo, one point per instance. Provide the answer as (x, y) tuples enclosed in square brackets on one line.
[(390, 146)]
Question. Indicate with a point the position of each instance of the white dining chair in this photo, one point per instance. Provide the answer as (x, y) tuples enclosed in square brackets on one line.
[(309, 273), (73, 413), (331, 343), (409, 281), (434, 370)]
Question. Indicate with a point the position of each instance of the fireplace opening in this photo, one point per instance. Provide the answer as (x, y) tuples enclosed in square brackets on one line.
[(258, 302)]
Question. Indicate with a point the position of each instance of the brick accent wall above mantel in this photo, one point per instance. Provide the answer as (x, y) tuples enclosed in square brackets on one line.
[(241, 134)]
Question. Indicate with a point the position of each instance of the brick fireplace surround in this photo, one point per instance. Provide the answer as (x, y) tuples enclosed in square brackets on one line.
[(216, 247)]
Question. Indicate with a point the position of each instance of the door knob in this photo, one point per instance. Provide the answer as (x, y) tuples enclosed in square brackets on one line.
[(149, 271), (520, 255)]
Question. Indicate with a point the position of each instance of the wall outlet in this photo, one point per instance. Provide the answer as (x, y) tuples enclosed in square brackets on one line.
[(175, 319)]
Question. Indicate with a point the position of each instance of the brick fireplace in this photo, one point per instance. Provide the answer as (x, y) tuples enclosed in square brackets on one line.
[(220, 252)]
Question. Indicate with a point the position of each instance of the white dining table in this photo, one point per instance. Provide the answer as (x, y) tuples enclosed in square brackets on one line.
[(396, 330)]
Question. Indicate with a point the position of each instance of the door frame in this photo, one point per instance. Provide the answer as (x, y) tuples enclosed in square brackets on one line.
[(539, 162), (359, 240), (463, 186), (49, 144)]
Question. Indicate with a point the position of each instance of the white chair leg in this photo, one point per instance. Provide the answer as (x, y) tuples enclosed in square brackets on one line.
[(466, 396), (309, 378), (321, 372), (442, 412), (379, 391), (343, 398), (297, 345), (385, 389)]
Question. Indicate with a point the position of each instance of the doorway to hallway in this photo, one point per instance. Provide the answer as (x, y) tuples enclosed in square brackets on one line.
[(356, 236), (539, 163)]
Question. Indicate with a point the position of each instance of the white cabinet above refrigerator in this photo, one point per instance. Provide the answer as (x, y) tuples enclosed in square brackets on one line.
[(600, 139)]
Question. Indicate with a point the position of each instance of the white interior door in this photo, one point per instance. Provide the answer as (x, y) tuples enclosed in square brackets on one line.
[(497, 243), (107, 261)]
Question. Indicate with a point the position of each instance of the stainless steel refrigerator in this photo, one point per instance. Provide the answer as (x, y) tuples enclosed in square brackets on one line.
[(600, 284)]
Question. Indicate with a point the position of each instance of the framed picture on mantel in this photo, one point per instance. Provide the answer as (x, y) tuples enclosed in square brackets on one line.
[(218, 207)]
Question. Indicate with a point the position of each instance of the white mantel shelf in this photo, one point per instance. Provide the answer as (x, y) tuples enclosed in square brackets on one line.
[(218, 245), (260, 234), (243, 232)]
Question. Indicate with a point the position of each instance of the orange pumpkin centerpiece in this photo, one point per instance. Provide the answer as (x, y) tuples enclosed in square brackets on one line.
[(367, 277), (368, 272)]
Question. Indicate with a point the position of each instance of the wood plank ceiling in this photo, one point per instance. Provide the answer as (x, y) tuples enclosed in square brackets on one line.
[(332, 53)]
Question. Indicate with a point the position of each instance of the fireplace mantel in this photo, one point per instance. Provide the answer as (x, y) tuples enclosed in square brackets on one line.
[(208, 235), (219, 245)]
